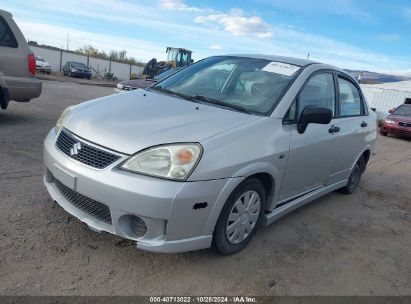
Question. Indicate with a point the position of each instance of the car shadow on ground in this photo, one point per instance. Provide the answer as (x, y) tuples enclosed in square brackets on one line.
[(8, 118)]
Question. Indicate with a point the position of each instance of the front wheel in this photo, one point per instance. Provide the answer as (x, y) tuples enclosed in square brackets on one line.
[(240, 217)]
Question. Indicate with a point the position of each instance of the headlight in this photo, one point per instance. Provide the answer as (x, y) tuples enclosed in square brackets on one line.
[(120, 86), (61, 119), (74, 70), (389, 121), (174, 161)]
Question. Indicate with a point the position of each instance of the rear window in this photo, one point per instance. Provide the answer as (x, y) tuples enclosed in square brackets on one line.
[(7, 38)]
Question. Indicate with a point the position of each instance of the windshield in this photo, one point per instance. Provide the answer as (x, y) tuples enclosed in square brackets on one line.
[(78, 65), (403, 111), (166, 73), (241, 83), (40, 59)]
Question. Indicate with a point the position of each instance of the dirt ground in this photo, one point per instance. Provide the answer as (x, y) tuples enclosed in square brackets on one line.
[(337, 245)]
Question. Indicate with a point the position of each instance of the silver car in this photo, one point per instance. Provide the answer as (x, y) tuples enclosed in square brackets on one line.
[(206, 156)]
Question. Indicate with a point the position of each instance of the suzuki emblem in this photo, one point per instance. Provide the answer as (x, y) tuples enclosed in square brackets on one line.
[(75, 149)]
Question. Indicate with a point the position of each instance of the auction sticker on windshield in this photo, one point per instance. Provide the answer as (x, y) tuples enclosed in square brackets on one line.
[(281, 68)]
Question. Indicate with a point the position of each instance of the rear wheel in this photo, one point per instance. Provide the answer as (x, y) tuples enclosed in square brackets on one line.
[(240, 217), (354, 178)]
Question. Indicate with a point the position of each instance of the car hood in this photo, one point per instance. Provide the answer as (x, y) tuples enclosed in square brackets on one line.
[(399, 118), (139, 119)]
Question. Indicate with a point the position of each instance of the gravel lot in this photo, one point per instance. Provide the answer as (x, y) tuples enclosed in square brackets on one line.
[(337, 245)]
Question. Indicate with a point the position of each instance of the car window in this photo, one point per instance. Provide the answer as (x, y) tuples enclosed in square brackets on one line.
[(349, 99), (7, 38), (318, 91), (78, 65), (166, 73), (403, 111), (247, 84)]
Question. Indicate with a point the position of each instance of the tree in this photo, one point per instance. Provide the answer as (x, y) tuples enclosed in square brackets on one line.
[(120, 56)]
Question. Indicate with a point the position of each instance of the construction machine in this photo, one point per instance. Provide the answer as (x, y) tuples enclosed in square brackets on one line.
[(176, 58)]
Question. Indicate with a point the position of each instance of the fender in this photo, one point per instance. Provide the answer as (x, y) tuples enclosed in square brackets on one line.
[(232, 183)]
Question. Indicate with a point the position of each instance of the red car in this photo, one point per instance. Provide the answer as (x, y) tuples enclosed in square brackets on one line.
[(398, 122)]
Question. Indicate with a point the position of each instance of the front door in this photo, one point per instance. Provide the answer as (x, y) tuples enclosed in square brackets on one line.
[(312, 153)]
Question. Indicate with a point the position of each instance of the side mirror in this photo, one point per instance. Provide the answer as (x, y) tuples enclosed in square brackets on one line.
[(313, 114), (391, 110)]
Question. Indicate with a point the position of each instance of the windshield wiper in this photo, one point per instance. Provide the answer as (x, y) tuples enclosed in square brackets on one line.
[(221, 103), (167, 91)]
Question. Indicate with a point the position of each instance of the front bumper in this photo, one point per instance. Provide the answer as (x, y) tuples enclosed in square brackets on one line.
[(166, 207), (396, 129), (41, 69), (80, 74)]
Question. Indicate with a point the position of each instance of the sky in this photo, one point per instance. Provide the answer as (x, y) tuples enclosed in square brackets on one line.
[(365, 34)]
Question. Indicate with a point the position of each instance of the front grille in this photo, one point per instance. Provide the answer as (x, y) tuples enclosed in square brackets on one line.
[(82, 152), (85, 204), (405, 124)]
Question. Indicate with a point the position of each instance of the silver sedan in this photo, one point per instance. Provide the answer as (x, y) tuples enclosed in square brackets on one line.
[(210, 154)]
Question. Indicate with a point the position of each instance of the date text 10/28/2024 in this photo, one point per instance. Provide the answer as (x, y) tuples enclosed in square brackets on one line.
[(202, 299)]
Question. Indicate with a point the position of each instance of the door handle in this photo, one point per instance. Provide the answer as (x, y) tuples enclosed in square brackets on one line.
[(364, 124), (333, 129)]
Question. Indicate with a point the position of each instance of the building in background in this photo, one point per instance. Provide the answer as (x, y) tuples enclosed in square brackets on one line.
[(385, 96), (58, 58)]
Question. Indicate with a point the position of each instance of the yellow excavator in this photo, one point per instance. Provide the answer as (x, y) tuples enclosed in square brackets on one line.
[(176, 58)]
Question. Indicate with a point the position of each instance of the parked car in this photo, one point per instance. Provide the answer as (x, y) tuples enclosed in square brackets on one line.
[(17, 64), (76, 69), (209, 154), (134, 84), (398, 122), (42, 66)]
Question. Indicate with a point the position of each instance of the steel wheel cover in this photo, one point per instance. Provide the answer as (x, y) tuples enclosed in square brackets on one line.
[(243, 217)]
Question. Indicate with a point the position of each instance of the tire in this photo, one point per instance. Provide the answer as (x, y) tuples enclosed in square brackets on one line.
[(235, 227), (354, 178), (383, 133)]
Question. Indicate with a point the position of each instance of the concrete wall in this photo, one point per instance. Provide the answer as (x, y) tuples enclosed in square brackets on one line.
[(57, 59), (384, 99)]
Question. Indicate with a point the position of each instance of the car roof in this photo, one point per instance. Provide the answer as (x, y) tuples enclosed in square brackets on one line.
[(284, 59), (5, 13)]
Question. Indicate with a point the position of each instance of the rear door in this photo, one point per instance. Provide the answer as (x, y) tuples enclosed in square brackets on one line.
[(354, 125), (311, 153)]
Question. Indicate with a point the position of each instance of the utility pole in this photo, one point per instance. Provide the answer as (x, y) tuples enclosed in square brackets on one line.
[(308, 56), (67, 41)]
